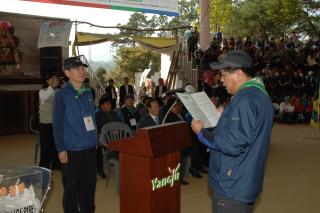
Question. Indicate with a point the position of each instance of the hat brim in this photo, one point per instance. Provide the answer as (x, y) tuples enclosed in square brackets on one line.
[(224, 65), (76, 65)]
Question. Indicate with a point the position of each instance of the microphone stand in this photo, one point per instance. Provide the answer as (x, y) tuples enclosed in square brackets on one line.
[(169, 110), (189, 89)]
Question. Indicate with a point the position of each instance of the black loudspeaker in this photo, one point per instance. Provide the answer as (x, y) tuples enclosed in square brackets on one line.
[(50, 61)]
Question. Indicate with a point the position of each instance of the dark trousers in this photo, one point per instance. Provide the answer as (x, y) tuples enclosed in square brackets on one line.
[(221, 204), (79, 181), (198, 152), (48, 152), (184, 163)]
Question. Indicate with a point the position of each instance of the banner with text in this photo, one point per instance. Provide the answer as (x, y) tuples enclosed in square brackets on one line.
[(162, 7), (54, 33)]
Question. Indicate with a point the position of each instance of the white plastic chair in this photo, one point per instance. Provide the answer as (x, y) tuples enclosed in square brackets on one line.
[(112, 131)]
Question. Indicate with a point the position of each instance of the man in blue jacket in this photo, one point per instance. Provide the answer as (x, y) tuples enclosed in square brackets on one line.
[(240, 142), (76, 139)]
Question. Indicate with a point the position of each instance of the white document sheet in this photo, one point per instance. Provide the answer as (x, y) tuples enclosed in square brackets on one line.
[(201, 108)]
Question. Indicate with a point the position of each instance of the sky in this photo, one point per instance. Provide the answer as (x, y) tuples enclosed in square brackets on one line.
[(104, 17)]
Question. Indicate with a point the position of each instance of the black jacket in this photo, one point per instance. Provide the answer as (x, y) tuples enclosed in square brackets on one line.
[(105, 117), (156, 91), (123, 92), (108, 91), (147, 121), (173, 117), (125, 116)]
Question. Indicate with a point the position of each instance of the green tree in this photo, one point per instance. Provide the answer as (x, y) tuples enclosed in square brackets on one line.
[(116, 75), (137, 21), (268, 17), (309, 21), (220, 14), (131, 60), (188, 15), (101, 75)]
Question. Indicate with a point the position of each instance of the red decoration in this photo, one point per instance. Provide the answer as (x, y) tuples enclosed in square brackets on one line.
[(9, 53)]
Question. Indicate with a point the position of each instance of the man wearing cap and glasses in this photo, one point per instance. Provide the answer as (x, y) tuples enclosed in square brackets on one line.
[(239, 143), (75, 137)]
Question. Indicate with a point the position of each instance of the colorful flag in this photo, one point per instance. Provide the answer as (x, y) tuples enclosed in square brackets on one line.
[(315, 114)]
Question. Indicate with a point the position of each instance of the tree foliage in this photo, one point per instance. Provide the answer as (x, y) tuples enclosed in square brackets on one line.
[(131, 60), (266, 17), (136, 21), (220, 13), (188, 16), (101, 75)]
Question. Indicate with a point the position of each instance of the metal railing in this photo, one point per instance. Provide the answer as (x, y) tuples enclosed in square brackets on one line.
[(94, 80), (188, 69)]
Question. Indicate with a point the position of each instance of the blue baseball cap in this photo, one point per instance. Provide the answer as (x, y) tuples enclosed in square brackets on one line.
[(73, 62), (233, 59)]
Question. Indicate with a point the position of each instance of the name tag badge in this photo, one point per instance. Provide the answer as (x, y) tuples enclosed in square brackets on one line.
[(133, 122), (88, 122)]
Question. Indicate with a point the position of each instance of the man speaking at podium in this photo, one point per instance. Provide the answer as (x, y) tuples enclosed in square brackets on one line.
[(239, 144)]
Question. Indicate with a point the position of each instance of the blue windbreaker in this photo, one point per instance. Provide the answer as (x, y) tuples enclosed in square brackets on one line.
[(239, 145), (69, 129)]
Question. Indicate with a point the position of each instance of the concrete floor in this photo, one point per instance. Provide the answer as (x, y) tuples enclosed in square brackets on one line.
[(291, 180)]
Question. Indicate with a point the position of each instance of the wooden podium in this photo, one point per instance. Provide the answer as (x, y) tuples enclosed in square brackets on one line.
[(149, 168)]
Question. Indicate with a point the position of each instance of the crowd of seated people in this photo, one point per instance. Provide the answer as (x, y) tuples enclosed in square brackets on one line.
[(151, 111), (288, 67)]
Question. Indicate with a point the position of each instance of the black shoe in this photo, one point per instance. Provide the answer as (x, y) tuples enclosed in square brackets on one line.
[(102, 175), (195, 173), (56, 167), (203, 171), (183, 182)]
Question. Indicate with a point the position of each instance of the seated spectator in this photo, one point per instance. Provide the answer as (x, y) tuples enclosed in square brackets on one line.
[(103, 115), (276, 108), (128, 114), (310, 84), (299, 110), (152, 118), (296, 84), (142, 106), (286, 111)]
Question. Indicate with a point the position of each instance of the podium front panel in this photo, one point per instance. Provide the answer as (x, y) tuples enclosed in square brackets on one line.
[(149, 185)]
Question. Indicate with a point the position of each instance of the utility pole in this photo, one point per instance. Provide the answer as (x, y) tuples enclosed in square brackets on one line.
[(90, 53), (204, 24)]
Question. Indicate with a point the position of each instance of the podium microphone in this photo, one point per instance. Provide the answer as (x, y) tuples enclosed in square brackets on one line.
[(187, 89)]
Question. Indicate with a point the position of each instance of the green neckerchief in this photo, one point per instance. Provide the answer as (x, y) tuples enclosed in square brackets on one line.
[(254, 82), (83, 88), (132, 110)]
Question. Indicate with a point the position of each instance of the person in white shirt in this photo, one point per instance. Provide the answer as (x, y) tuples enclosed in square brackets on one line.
[(286, 111), (48, 153)]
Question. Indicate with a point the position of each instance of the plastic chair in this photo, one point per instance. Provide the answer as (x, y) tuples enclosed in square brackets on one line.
[(112, 131), (34, 127), (46, 185)]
